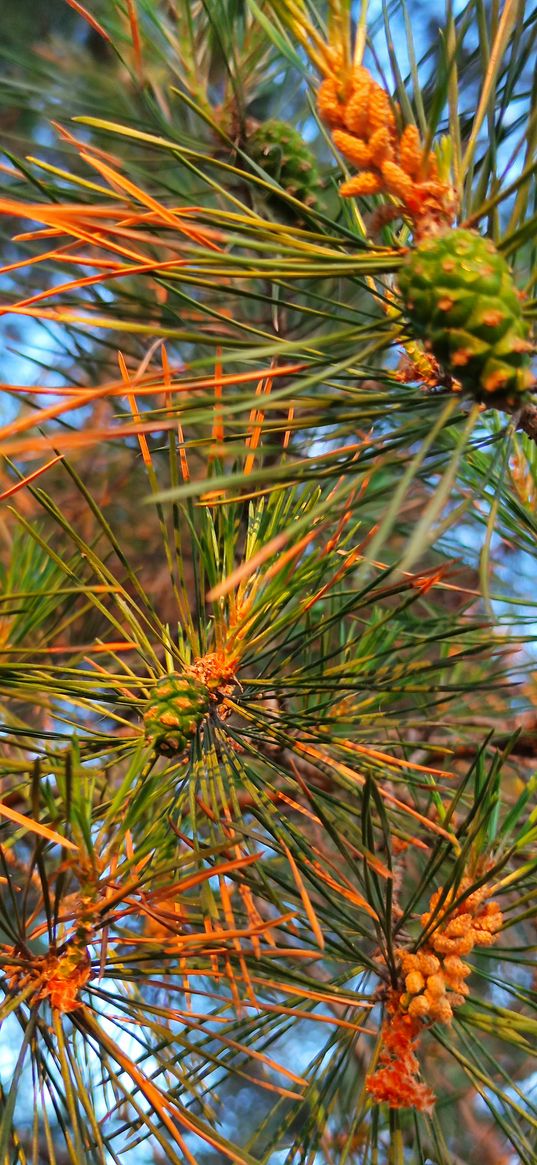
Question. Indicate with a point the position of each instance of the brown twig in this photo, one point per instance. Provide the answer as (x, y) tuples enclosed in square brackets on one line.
[(528, 421)]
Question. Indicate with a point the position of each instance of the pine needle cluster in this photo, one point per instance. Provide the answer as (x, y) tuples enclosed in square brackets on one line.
[(267, 627)]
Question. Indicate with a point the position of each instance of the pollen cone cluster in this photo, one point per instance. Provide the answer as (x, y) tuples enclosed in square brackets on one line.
[(461, 300), (177, 706), (57, 977), (434, 981), (395, 1081), (435, 975), (364, 129), (282, 154)]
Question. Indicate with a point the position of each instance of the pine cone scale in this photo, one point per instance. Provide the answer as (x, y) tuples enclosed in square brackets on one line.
[(177, 706), (461, 300)]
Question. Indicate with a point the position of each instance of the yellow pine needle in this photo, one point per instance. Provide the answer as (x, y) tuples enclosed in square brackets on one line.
[(339, 30), (510, 14), (293, 14), (168, 387), (124, 691), (89, 147), (74, 179), (247, 569)]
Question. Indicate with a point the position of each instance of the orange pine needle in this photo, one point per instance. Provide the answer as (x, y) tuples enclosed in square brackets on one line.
[(30, 445), (13, 489), (306, 900), (83, 12), (287, 434), (35, 827), (255, 424), (218, 433), (95, 648), (311, 751), (386, 758), (347, 892), (144, 447), (120, 182), (136, 39)]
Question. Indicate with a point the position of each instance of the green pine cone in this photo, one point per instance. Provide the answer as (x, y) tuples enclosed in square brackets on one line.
[(281, 153), (174, 712), (461, 300)]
